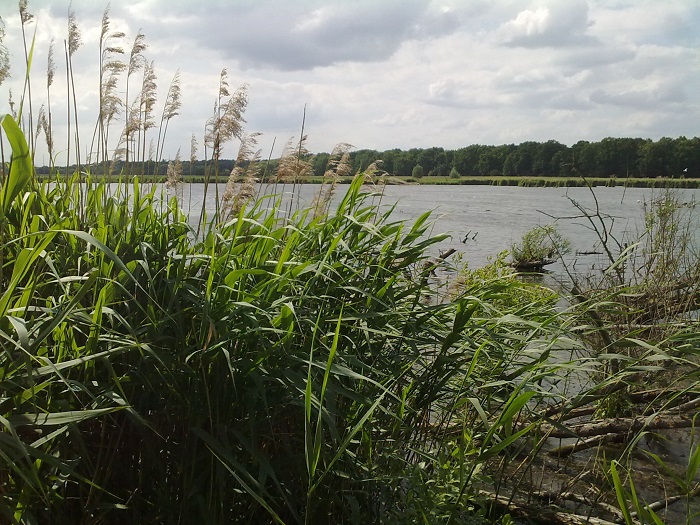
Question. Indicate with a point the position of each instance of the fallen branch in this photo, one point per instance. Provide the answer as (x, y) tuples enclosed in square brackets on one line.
[(667, 502), (577, 407), (620, 425), (536, 514), (585, 444), (552, 497)]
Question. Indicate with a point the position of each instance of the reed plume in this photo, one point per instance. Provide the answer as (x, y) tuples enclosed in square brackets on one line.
[(130, 134), (48, 135), (26, 18), (227, 121), (371, 172), (24, 13), (136, 62), (46, 124), (171, 109), (111, 67), (71, 45), (174, 174), (193, 158), (4, 73), (42, 125), (50, 67), (240, 187), (225, 124), (294, 163), (11, 103), (193, 151), (338, 166), (147, 102), (4, 54)]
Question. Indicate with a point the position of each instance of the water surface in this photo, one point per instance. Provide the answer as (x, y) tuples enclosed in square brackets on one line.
[(485, 220)]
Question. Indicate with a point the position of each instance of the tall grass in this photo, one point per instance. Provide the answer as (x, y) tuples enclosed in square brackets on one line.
[(274, 363)]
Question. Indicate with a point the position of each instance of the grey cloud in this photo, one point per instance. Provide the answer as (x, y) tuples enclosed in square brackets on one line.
[(564, 99), (595, 56), (303, 36), (641, 99)]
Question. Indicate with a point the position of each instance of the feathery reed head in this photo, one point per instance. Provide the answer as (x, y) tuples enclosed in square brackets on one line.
[(74, 39), (11, 103), (227, 121), (136, 58), (339, 164), (240, 187), (174, 173), (44, 125), (50, 67), (24, 13), (294, 163), (193, 150), (148, 96), (40, 117), (172, 100), (105, 25), (4, 55)]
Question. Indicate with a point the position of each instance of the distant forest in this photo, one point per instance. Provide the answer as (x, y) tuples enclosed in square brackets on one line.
[(619, 157), (610, 157)]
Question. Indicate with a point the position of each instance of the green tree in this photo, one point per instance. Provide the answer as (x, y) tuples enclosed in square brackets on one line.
[(584, 158), (546, 161), (418, 171), (320, 164), (490, 162), (454, 174)]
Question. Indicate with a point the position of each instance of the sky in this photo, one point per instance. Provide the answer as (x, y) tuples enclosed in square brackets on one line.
[(383, 74)]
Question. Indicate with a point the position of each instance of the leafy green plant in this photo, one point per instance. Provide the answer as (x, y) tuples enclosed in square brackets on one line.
[(539, 246)]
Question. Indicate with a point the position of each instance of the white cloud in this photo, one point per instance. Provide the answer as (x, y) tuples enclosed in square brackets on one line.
[(553, 24)]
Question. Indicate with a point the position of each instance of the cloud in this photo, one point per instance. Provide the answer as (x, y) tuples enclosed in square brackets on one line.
[(555, 24), (581, 58), (671, 22), (641, 98), (302, 36)]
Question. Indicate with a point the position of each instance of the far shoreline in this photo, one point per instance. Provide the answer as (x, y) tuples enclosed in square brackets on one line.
[(495, 180)]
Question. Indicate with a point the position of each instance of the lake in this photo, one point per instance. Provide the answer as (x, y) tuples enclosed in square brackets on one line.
[(492, 218)]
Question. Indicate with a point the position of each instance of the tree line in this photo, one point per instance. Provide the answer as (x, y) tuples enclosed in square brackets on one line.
[(610, 157), (620, 157)]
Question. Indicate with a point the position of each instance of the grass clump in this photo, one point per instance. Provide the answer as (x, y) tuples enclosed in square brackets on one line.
[(539, 246)]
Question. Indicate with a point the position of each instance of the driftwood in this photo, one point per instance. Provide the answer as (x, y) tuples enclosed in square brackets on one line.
[(578, 407), (539, 514), (620, 425), (584, 444), (433, 263), (664, 503), (531, 266), (553, 497)]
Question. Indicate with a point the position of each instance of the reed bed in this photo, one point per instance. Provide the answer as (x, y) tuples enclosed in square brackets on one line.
[(282, 368)]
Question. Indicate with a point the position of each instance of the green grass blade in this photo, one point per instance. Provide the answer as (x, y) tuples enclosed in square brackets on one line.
[(21, 169)]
